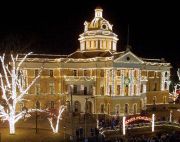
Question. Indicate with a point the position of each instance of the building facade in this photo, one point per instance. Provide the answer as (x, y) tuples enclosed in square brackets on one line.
[(108, 81)]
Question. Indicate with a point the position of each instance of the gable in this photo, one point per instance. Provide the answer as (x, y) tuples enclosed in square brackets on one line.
[(128, 57)]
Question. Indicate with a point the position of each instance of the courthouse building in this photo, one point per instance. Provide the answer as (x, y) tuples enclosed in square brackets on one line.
[(109, 81)]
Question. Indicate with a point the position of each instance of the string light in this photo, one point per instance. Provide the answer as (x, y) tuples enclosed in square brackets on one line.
[(13, 90)]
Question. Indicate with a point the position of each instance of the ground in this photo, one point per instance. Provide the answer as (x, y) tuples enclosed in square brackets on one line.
[(29, 135)]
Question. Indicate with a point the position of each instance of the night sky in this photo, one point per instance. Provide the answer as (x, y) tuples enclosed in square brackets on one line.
[(49, 27)]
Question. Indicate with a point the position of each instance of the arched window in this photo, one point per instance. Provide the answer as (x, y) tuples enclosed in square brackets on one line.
[(126, 108), (134, 108), (117, 108), (38, 106), (166, 74)]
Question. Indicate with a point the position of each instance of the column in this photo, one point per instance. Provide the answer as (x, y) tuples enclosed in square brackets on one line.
[(162, 80), (132, 83), (144, 88), (122, 83), (113, 82), (138, 82), (107, 82)]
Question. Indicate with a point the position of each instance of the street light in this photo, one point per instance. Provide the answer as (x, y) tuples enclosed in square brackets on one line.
[(64, 133), (85, 116)]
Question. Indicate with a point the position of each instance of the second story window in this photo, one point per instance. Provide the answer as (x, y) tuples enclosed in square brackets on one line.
[(52, 104), (51, 73), (75, 89), (37, 89), (36, 72), (118, 73), (85, 73), (51, 88), (75, 72), (102, 73)]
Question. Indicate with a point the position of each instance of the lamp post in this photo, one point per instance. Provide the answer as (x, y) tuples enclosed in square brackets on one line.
[(64, 133), (71, 110), (86, 99)]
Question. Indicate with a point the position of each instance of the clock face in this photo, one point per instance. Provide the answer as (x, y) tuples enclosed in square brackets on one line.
[(126, 81)]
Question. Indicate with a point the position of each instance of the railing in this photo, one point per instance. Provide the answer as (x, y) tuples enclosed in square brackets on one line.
[(144, 78), (79, 78)]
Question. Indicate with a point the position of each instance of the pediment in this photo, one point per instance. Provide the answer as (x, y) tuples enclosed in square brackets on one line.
[(128, 57)]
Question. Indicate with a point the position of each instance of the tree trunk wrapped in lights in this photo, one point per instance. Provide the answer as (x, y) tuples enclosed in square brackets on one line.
[(57, 116), (175, 94), (13, 88)]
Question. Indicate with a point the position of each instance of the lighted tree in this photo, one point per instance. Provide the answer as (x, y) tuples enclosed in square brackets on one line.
[(13, 89), (56, 117), (175, 94)]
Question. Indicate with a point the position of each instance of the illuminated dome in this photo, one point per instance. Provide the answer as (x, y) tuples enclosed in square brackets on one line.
[(98, 34)]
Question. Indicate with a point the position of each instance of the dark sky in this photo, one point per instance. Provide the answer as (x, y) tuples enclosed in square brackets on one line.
[(54, 27)]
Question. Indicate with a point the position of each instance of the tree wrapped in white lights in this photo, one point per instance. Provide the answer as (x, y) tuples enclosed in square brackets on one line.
[(13, 88), (57, 117), (175, 94)]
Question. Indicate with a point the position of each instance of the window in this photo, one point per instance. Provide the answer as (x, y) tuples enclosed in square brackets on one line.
[(85, 90), (135, 90), (164, 99), (75, 72), (166, 74), (118, 89), (52, 104), (36, 72), (110, 90), (37, 105), (165, 86), (108, 108), (85, 73), (141, 88), (102, 91), (154, 100), (51, 88), (118, 73), (135, 108), (37, 89), (117, 110), (155, 86), (126, 108), (21, 105), (102, 108), (75, 89), (51, 73), (102, 73)]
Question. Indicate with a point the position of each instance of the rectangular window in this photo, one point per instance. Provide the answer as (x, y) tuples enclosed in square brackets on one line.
[(37, 89), (85, 73), (36, 72), (110, 90), (102, 73), (118, 73), (75, 72), (51, 88), (52, 104), (51, 74), (102, 108), (118, 89), (75, 89)]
